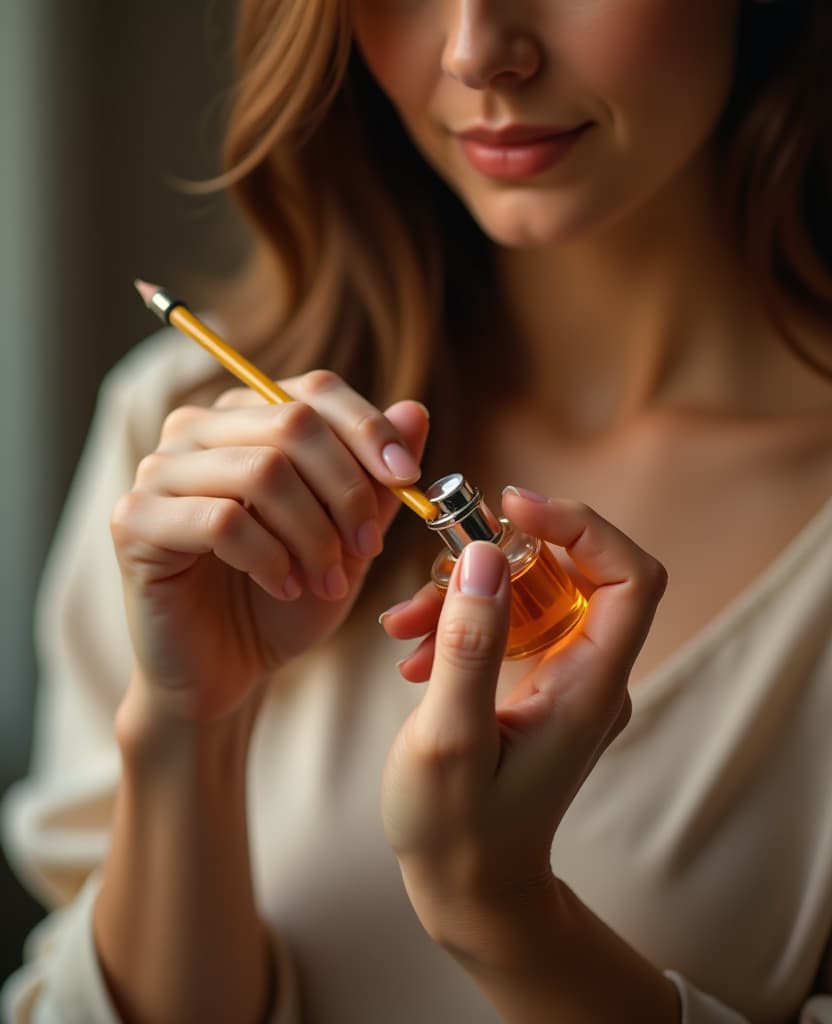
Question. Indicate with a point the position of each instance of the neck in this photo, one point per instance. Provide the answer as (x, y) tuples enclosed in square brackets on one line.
[(652, 310)]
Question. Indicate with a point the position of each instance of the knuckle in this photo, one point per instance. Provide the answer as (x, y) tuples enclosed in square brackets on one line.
[(659, 578), (441, 746), (373, 428), (149, 468), (651, 580), (123, 515), (297, 421), (233, 398), (442, 752), (319, 382), (264, 469), (179, 420), (468, 641), (224, 518)]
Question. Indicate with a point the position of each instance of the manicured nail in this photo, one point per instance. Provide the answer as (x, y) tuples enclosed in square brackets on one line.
[(400, 462), (335, 582), (482, 570), (368, 539), (524, 492), (400, 607), (291, 589)]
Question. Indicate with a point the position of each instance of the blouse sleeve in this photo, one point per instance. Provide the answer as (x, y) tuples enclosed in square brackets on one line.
[(699, 1008), (56, 821)]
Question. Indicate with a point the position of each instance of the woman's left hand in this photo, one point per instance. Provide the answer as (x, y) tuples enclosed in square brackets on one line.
[(473, 792)]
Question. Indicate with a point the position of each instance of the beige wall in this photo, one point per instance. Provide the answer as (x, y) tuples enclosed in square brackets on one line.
[(101, 102)]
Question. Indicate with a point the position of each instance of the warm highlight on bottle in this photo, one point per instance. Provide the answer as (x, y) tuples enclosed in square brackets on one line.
[(545, 603)]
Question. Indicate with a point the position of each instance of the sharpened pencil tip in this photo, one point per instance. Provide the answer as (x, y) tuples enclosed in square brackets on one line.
[(147, 291)]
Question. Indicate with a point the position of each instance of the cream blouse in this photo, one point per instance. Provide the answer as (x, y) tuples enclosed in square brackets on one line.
[(703, 836)]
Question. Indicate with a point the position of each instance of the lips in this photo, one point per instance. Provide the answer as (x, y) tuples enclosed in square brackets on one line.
[(515, 134), (518, 151)]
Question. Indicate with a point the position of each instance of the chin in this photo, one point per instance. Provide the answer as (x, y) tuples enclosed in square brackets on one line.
[(523, 236), (529, 225)]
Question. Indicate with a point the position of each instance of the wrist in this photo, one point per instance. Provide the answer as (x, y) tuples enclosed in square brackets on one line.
[(479, 920), (540, 953), (153, 733)]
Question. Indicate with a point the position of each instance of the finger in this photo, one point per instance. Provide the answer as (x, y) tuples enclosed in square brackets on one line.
[(410, 418), (264, 480), (157, 537), (415, 617), (457, 719), (417, 666), (370, 435), (412, 421), (238, 398), (329, 470), (628, 582)]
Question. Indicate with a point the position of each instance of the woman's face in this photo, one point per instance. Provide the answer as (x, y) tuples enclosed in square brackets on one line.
[(552, 118)]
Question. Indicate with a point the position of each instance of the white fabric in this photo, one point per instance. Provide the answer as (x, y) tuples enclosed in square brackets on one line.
[(703, 836), (699, 1008), (65, 984)]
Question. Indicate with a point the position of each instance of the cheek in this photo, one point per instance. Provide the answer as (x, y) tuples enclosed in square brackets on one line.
[(402, 62), (645, 54)]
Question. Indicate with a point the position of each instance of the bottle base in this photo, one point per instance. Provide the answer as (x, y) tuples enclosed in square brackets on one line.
[(520, 646)]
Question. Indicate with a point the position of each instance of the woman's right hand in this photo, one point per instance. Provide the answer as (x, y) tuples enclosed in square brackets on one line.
[(248, 532)]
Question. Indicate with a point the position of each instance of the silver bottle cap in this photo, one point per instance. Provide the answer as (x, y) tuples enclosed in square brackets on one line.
[(463, 515)]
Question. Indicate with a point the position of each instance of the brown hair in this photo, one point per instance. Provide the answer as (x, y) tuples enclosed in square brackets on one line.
[(777, 148), (372, 269)]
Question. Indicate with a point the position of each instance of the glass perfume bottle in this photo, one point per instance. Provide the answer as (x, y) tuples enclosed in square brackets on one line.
[(545, 603)]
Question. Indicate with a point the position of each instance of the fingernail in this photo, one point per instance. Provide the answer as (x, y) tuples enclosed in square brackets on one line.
[(368, 539), (335, 582), (291, 589), (524, 492), (400, 607), (400, 462), (482, 570)]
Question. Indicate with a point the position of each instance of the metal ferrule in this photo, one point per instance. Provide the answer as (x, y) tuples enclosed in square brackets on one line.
[(161, 303), (463, 515)]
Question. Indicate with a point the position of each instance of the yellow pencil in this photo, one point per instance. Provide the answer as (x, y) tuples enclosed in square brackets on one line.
[(176, 313)]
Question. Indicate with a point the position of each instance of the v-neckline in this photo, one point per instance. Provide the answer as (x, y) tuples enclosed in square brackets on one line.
[(662, 676)]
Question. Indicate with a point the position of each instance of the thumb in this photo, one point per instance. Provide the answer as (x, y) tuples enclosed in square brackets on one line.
[(457, 717)]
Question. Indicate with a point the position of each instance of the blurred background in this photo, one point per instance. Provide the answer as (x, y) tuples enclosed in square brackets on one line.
[(103, 104)]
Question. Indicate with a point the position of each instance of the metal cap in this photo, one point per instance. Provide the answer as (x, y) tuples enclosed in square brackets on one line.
[(463, 515), (161, 303)]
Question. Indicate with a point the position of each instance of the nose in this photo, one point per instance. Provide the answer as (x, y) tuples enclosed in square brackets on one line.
[(484, 47)]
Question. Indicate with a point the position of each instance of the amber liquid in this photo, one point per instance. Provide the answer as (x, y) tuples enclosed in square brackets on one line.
[(545, 604)]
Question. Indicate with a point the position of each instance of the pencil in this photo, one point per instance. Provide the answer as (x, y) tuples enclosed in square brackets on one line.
[(176, 313)]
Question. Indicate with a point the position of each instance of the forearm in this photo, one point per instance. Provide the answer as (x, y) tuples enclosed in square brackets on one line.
[(549, 958), (176, 927)]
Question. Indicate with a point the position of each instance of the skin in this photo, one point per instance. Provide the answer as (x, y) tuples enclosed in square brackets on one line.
[(649, 76), (246, 535)]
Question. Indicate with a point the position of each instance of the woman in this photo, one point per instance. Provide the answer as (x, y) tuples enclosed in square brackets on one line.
[(592, 236)]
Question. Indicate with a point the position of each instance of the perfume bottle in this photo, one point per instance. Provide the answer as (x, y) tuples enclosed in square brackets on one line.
[(545, 604)]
